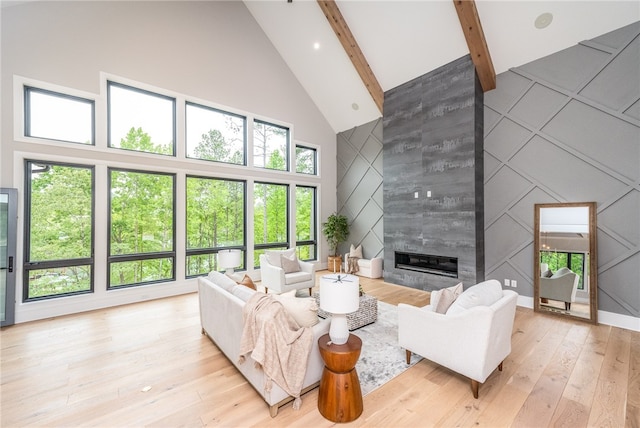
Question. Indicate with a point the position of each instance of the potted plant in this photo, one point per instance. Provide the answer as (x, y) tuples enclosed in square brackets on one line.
[(336, 230)]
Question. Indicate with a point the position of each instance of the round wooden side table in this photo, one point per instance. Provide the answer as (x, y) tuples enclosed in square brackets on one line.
[(340, 396)]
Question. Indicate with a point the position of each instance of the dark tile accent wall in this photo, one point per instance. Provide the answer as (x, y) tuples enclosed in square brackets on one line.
[(433, 141)]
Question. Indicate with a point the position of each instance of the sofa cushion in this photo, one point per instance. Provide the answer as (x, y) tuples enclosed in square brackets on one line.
[(290, 264), (455, 290), (355, 251), (242, 292), (482, 294), (302, 309), (222, 280), (247, 282)]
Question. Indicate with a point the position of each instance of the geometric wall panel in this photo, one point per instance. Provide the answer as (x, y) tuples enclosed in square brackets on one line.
[(596, 135), (581, 110), (359, 189), (534, 107), (569, 68)]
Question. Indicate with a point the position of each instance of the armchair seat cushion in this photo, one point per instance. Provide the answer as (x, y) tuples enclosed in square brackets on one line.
[(297, 277)]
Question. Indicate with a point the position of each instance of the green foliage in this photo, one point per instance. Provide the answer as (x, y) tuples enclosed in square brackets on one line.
[(270, 217), (336, 230)]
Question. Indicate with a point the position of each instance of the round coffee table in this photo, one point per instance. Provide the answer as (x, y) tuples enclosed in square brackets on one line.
[(340, 396)]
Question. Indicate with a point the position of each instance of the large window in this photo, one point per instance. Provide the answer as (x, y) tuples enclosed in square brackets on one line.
[(215, 135), (270, 217), (56, 116), (306, 239), (141, 225), (215, 220), (140, 120), (306, 160), (58, 230), (270, 146)]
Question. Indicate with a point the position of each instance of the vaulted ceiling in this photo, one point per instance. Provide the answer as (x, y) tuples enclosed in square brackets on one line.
[(401, 40)]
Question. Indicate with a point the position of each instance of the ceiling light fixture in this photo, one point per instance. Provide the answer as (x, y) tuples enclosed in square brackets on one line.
[(543, 21), (316, 46), (355, 106)]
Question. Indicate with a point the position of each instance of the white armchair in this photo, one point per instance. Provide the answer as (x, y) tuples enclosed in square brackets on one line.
[(279, 278), (561, 286), (472, 338)]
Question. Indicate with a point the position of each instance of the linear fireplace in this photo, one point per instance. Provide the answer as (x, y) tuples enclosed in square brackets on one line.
[(427, 263)]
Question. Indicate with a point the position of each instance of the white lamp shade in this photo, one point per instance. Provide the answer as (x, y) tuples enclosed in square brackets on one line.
[(229, 258), (339, 294)]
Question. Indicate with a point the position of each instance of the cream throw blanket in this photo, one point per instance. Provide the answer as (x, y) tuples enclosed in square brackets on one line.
[(277, 344)]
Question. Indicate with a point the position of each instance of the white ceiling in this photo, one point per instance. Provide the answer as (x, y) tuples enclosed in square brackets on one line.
[(406, 39)]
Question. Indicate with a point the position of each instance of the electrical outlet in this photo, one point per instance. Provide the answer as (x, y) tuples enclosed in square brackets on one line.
[(514, 283), (507, 283)]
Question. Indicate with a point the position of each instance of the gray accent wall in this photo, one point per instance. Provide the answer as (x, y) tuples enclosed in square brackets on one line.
[(566, 128), (359, 168), (433, 138)]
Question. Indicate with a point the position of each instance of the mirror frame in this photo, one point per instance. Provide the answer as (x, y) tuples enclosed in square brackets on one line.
[(593, 260)]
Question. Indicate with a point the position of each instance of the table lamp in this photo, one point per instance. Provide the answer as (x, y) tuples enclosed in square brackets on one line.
[(229, 259), (339, 295)]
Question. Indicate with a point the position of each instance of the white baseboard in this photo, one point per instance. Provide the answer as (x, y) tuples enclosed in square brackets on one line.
[(604, 317)]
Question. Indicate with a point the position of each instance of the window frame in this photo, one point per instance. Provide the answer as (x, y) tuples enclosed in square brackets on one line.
[(26, 97), (287, 151), (112, 83), (315, 159), (118, 258), (260, 248), (215, 250), (225, 112), (314, 210), (29, 265)]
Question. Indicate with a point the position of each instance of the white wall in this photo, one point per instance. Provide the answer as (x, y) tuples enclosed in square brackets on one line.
[(212, 51)]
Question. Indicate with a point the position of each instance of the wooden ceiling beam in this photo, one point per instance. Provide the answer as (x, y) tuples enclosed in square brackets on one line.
[(472, 29), (348, 41)]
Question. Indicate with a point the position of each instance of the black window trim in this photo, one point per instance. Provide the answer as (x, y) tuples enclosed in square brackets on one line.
[(244, 136), (215, 250), (111, 83), (28, 90), (47, 264), (314, 208), (140, 256), (287, 149), (315, 160)]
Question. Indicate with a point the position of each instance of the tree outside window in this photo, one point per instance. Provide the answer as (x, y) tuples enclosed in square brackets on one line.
[(270, 217)]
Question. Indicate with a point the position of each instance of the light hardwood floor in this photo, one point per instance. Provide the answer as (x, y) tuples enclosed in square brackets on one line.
[(93, 369)]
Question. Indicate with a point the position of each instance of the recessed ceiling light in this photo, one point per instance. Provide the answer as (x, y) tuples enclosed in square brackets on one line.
[(355, 106), (543, 20), (316, 45)]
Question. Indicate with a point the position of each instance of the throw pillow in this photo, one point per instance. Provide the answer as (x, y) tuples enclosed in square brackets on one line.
[(483, 294), (446, 299), (222, 280), (290, 264), (436, 295), (247, 282), (356, 252), (302, 309)]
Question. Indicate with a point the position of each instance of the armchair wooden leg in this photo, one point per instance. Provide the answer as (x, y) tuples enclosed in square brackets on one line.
[(474, 387), (500, 366), (266, 290), (310, 288), (408, 353)]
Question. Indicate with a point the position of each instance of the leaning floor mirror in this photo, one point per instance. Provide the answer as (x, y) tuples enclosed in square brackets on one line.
[(565, 260)]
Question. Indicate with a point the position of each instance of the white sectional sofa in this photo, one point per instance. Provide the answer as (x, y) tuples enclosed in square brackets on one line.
[(222, 321)]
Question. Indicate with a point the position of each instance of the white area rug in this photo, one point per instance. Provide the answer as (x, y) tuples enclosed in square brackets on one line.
[(381, 358)]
